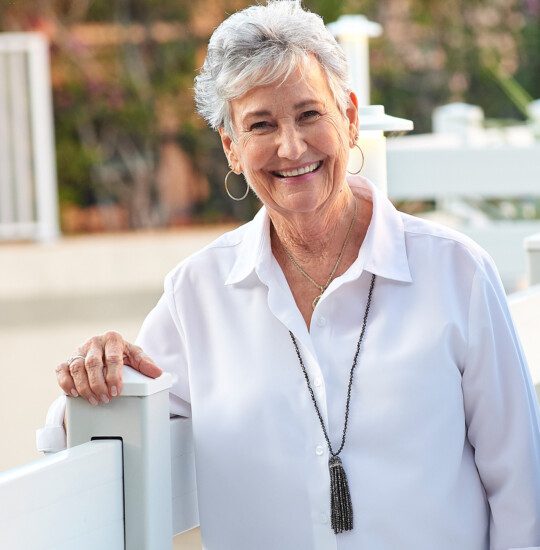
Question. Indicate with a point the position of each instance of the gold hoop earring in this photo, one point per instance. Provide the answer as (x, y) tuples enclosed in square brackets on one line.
[(363, 159), (229, 193)]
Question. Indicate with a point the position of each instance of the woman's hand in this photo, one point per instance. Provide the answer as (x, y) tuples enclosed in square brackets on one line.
[(95, 371)]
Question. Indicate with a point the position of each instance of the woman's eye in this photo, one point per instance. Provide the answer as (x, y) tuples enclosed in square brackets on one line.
[(310, 115), (262, 125)]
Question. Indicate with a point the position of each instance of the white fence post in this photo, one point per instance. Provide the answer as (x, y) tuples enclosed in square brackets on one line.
[(353, 33), (140, 417), (532, 246), (185, 510), (28, 187)]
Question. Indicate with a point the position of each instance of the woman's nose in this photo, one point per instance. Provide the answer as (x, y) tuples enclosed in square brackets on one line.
[(291, 143)]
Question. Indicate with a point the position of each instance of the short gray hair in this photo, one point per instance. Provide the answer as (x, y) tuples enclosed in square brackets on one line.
[(262, 45)]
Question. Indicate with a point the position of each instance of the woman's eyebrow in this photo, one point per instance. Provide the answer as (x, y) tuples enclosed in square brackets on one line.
[(256, 114), (307, 102)]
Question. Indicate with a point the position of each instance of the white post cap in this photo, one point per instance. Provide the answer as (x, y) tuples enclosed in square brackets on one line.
[(139, 385), (373, 117), (354, 27)]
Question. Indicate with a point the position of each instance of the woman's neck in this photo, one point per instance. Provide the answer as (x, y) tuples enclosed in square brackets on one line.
[(317, 235), (312, 250)]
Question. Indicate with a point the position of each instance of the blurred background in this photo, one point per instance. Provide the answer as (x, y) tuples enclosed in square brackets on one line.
[(131, 152)]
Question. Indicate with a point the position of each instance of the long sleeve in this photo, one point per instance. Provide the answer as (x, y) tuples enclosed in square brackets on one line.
[(502, 417), (52, 437), (162, 338)]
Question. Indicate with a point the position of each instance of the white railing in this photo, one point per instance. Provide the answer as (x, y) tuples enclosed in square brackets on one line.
[(439, 167), (67, 501), (457, 176), (28, 188), (126, 481), (532, 246)]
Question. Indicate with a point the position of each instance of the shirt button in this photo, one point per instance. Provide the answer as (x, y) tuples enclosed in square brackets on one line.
[(318, 381), (324, 518), (321, 321), (319, 450)]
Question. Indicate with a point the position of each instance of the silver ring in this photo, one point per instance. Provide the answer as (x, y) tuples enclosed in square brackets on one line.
[(74, 358)]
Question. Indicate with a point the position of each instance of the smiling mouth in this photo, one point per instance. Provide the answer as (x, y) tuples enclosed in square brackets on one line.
[(298, 171)]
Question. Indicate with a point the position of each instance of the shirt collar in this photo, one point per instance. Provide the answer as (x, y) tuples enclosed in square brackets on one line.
[(254, 250), (383, 251)]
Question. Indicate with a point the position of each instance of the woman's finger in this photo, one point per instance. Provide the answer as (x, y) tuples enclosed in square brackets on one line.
[(94, 366), (77, 371), (142, 362), (114, 361), (65, 381)]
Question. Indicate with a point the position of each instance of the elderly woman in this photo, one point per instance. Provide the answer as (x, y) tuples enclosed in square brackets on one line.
[(352, 372)]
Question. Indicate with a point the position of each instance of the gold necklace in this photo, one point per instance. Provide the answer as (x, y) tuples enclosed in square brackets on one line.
[(322, 288)]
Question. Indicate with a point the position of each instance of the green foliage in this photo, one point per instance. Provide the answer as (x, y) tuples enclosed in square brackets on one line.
[(141, 10), (511, 87), (99, 10), (329, 10), (74, 163)]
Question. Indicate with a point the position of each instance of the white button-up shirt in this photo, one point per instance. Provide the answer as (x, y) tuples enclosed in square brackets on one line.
[(443, 442)]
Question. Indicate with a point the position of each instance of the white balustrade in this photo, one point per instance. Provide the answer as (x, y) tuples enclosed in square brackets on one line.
[(436, 167), (28, 187), (71, 500), (128, 472), (462, 165)]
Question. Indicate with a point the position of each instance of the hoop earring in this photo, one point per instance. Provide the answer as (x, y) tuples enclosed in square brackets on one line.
[(229, 193), (363, 159)]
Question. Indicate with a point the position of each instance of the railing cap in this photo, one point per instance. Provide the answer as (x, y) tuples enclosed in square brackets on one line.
[(532, 243), (373, 117), (137, 384)]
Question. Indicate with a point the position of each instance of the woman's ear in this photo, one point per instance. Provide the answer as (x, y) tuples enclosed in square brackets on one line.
[(229, 148), (352, 116)]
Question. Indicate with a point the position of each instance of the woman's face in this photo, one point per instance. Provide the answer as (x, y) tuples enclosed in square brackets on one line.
[(291, 142)]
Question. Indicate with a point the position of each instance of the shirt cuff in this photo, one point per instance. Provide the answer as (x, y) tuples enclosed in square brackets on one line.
[(52, 437)]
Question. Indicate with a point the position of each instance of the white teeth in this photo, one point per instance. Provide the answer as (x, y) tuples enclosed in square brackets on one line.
[(299, 171)]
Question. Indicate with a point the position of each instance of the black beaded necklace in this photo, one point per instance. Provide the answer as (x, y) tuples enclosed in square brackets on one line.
[(340, 497)]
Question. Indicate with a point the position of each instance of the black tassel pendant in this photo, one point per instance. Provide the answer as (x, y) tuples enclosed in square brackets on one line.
[(340, 497), (340, 505)]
